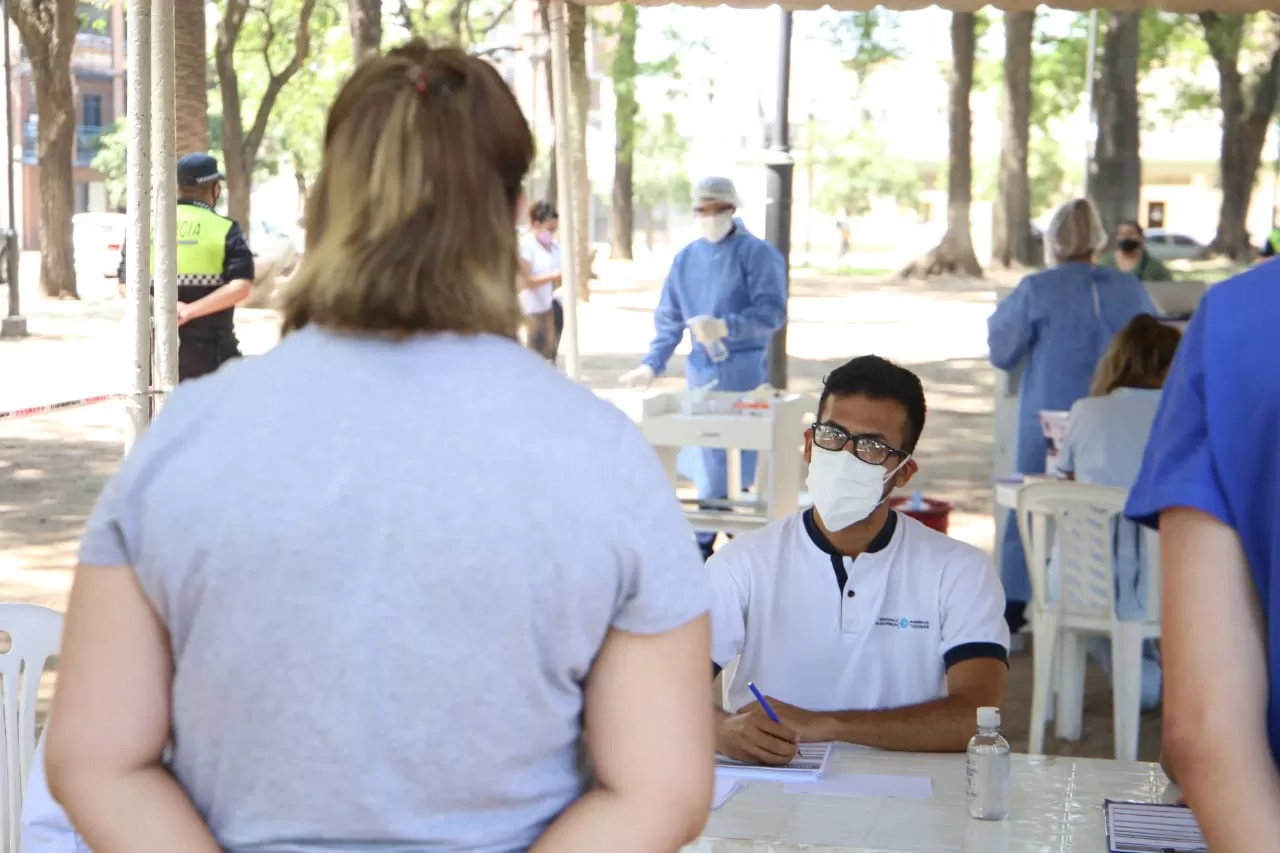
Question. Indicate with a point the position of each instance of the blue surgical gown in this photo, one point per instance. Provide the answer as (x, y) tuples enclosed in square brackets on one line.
[(743, 281), (1061, 321)]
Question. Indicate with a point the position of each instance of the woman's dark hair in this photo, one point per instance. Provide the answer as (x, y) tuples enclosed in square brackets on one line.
[(878, 379), (1132, 223), (1139, 357), (411, 226), (542, 211)]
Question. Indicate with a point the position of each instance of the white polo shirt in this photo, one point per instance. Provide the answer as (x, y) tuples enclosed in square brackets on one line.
[(829, 633), (542, 260)]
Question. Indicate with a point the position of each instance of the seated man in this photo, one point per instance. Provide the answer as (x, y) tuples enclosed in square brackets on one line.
[(867, 626)]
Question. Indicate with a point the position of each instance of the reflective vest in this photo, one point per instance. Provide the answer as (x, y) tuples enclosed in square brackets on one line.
[(1274, 240), (202, 247)]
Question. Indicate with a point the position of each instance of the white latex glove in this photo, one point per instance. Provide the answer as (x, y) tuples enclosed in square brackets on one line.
[(707, 330), (641, 377)]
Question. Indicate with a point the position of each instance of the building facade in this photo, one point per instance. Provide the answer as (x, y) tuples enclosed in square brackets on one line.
[(97, 69)]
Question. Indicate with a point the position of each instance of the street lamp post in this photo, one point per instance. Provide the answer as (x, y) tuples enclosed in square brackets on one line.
[(777, 227), (14, 325)]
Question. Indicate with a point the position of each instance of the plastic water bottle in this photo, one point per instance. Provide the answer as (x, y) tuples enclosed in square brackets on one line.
[(987, 769), (717, 350), (917, 501)]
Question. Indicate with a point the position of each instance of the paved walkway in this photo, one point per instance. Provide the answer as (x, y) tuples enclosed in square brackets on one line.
[(52, 467)]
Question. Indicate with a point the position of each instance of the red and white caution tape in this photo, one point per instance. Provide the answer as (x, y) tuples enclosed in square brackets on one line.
[(48, 408)]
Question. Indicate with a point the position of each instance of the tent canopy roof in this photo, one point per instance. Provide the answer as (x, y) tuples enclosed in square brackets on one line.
[(1224, 6)]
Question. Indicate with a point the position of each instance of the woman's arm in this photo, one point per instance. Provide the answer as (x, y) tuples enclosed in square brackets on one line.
[(110, 723), (1216, 692), (650, 729)]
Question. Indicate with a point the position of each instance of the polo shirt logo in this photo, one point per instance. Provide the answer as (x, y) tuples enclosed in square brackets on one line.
[(903, 623)]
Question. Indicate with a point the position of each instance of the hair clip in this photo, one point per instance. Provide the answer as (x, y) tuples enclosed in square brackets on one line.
[(418, 79)]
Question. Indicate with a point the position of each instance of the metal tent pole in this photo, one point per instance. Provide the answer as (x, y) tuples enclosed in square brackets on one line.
[(138, 205), (14, 325), (164, 186), (558, 14), (1090, 75), (777, 223)]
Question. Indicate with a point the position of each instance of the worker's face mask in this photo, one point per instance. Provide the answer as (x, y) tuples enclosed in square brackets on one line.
[(716, 226), (845, 490), (1129, 244)]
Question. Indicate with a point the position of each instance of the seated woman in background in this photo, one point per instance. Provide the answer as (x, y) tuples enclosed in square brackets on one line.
[(1106, 436), (1131, 255)]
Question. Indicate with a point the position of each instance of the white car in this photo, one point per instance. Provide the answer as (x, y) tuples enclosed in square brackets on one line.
[(1167, 246), (97, 239)]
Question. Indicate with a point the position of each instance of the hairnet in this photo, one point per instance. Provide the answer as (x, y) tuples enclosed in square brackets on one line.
[(1075, 230), (716, 191)]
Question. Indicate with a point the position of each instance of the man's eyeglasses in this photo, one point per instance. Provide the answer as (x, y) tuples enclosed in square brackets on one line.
[(868, 448)]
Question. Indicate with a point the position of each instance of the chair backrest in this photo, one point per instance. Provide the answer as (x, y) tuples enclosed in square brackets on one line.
[(1079, 520), (35, 634)]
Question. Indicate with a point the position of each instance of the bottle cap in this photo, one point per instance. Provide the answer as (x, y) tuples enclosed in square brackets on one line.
[(989, 718)]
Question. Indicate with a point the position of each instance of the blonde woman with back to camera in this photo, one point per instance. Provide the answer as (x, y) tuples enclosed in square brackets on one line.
[(387, 633)]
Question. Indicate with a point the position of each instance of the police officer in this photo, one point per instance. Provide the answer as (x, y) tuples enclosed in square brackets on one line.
[(215, 270)]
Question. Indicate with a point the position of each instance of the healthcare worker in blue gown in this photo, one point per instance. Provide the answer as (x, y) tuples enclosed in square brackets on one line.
[(728, 288), (1056, 325)]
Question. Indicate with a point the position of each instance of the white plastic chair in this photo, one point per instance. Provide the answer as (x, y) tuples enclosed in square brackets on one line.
[(35, 634), (1078, 520)]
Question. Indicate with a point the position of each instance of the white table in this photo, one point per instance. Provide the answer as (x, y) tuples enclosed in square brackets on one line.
[(776, 435), (1056, 808)]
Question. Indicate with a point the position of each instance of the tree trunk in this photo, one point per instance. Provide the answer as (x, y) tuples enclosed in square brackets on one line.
[(580, 89), (1247, 108), (552, 195), (239, 165), (191, 77), (1116, 183), (622, 221), (365, 17), (955, 253), (240, 145), (48, 30), (553, 189), (1012, 229)]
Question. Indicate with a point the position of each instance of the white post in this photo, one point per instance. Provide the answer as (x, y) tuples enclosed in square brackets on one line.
[(558, 14), (138, 204), (165, 197), (1091, 83)]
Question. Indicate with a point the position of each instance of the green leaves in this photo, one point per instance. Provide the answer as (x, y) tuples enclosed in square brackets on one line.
[(859, 168), (661, 176), (867, 39)]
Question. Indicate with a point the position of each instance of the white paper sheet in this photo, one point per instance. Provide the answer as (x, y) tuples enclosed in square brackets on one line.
[(725, 788), (860, 785), (1153, 828), (809, 764)]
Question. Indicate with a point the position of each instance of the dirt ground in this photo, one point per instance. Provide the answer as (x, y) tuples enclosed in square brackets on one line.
[(52, 467)]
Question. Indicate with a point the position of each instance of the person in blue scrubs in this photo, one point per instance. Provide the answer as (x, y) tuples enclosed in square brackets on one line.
[(1055, 327), (1210, 480), (729, 289)]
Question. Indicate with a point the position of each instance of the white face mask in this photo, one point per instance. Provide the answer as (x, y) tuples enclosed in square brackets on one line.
[(716, 226), (845, 490)]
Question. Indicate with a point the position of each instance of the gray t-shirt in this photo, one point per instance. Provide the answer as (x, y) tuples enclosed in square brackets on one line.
[(386, 569)]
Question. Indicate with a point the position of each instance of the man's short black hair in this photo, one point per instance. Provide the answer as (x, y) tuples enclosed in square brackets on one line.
[(878, 379)]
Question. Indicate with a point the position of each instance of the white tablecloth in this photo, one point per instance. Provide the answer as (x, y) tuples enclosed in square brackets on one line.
[(1056, 808)]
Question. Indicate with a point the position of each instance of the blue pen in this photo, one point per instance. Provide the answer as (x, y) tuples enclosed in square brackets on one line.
[(764, 703)]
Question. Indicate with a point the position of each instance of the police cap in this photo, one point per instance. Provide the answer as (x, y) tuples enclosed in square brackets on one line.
[(195, 170)]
